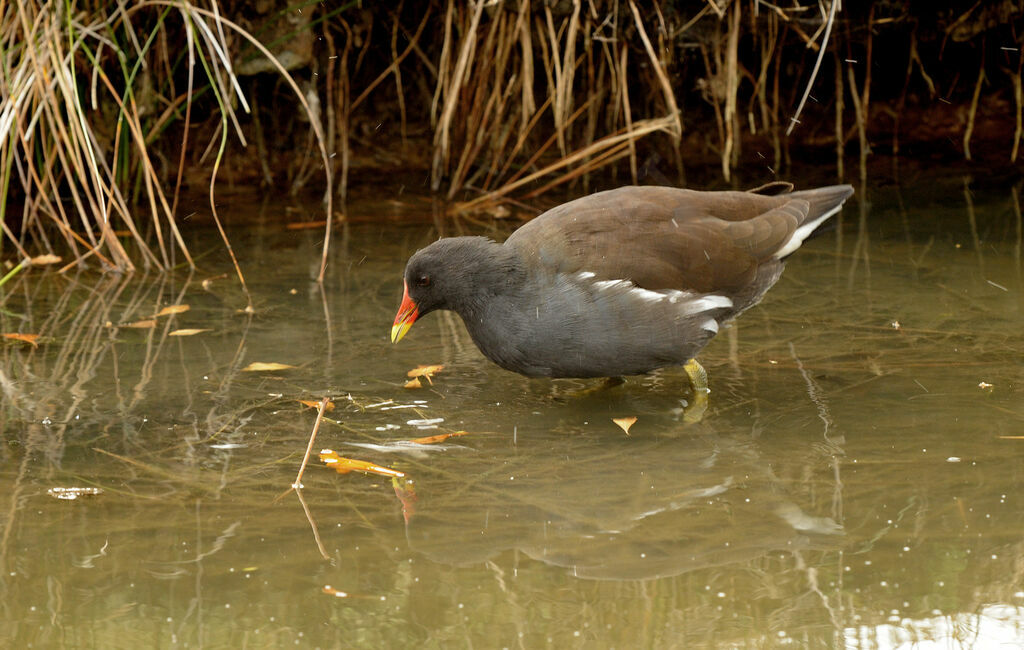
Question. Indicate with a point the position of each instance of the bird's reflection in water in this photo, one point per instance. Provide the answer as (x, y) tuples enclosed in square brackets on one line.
[(619, 509)]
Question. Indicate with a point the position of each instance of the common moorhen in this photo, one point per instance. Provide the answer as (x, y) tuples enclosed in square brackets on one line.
[(616, 283)]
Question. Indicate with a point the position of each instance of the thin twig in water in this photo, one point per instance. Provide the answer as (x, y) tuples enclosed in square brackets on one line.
[(309, 448)]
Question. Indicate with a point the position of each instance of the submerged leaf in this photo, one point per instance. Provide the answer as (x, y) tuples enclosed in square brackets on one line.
[(261, 366), (625, 423), (187, 332), (406, 493), (429, 440), (25, 338), (345, 465), (413, 383), (173, 309), (143, 324)]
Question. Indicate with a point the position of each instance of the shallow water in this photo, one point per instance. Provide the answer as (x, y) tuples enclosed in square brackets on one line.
[(857, 478)]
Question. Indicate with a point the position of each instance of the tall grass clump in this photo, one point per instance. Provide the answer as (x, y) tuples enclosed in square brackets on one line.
[(88, 90)]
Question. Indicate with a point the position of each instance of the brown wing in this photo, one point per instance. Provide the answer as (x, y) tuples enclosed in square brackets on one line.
[(663, 237)]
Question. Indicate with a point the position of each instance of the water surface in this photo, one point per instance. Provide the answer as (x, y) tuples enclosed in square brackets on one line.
[(856, 480)]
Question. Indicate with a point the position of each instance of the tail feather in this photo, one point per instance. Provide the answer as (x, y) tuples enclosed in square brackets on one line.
[(825, 202)]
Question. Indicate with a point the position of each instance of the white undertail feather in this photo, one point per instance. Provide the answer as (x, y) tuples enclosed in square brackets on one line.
[(801, 233)]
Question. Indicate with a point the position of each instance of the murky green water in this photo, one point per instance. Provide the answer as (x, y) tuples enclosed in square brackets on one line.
[(856, 480)]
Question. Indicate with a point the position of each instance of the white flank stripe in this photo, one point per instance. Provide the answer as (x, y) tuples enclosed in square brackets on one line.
[(707, 303), (646, 294), (710, 325), (610, 284)]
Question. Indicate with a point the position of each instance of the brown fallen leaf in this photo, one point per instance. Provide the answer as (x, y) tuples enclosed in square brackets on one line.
[(344, 465), (25, 338), (260, 366), (429, 440), (315, 404), (624, 423), (424, 371), (187, 332), (172, 309), (143, 324), (413, 383)]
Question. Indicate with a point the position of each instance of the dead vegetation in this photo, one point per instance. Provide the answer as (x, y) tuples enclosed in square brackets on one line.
[(110, 111)]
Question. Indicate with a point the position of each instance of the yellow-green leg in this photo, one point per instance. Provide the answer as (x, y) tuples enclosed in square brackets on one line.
[(694, 411)]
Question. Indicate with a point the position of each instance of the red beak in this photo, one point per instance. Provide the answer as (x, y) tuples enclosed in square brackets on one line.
[(407, 315)]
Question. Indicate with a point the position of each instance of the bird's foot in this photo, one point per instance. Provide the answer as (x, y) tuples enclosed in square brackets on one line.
[(694, 410)]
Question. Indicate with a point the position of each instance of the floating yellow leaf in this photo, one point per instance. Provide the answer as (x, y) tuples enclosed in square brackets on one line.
[(424, 371), (413, 383), (186, 332), (26, 338), (345, 465), (315, 404), (142, 324), (260, 366), (429, 440), (173, 309), (624, 423)]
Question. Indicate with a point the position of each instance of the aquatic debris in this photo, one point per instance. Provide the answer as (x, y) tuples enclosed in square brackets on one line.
[(344, 465), (625, 423), (72, 493), (429, 440), (413, 383), (315, 403), (188, 332), (331, 591), (172, 309), (25, 338), (429, 423), (424, 371), (260, 366)]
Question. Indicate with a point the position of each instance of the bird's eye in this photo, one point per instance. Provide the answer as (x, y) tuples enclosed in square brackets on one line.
[(423, 281)]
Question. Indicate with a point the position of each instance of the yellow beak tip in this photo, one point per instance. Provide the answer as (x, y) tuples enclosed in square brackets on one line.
[(398, 331)]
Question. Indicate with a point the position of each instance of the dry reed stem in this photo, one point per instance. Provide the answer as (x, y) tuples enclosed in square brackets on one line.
[(627, 114), (1018, 103), (731, 88), (563, 70), (640, 129), (817, 64), (839, 135), (659, 71), (972, 112), (442, 133)]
